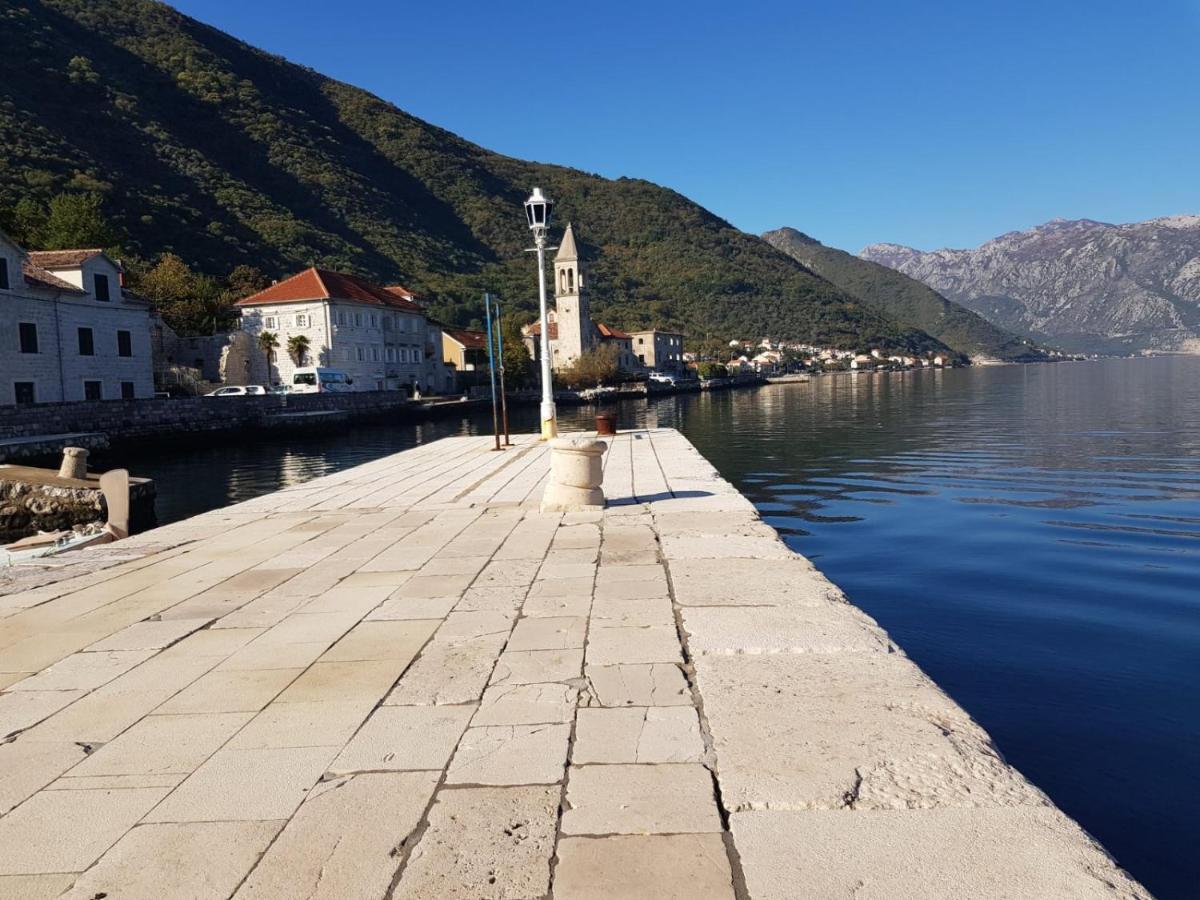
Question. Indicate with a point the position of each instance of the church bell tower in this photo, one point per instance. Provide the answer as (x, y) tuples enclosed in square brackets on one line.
[(573, 317)]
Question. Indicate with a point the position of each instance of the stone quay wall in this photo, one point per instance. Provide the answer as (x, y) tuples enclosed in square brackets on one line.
[(133, 421)]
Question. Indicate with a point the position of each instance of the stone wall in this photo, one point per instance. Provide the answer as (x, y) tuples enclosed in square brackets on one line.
[(134, 421)]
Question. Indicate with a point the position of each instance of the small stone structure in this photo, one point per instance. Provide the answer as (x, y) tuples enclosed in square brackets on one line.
[(33, 500), (74, 463), (576, 473)]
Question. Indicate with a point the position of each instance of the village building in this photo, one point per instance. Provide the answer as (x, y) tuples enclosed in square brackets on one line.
[(659, 350), (69, 330), (379, 336), (465, 354)]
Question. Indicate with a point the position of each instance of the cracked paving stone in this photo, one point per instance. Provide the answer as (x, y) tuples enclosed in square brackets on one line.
[(510, 754)]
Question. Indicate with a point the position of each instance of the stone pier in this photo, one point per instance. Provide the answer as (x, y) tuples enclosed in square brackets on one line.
[(405, 681)]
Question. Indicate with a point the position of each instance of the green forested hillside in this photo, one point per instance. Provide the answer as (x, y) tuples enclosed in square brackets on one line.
[(905, 299), (225, 155)]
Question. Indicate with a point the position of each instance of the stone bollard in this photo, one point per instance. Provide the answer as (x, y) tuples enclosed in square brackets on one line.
[(74, 463), (576, 473)]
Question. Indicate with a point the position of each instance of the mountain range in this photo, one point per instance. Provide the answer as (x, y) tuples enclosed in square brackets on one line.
[(906, 300), (1081, 284), (223, 154)]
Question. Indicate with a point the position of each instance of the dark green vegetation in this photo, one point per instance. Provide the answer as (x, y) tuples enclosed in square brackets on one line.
[(224, 155), (904, 299)]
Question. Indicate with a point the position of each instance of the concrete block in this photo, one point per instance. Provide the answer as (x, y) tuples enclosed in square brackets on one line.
[(399, 608), (27, 766), (347, 682), (836, 628), (245, 785), (327, 723), (400, 640), (656, 734), (467, 626), (67, 831), (484, 844), (342, 842), (201, 860), (635, 799), (632, 867), (83, 671), (930, 854), (510, 754), (608, 646), (825, 731), (657, 684), (548, 633), (448, 673), (750, 582), (22, 709), (163, 744), (503, 599), (242, 690), (724, 546), (404, 738), (150, 635), (633, 613), (536, 666), (526, 704)]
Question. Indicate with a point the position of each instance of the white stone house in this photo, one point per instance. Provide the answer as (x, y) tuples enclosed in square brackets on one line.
[(69, 330), (377, 335)]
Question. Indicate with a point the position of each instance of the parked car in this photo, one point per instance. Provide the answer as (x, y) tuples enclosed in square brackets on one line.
[(662, 377), (320, 380), (239, 390), (281, 389)]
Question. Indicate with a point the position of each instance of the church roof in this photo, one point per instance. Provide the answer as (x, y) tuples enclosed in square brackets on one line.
[(607, 331), (566, 249)]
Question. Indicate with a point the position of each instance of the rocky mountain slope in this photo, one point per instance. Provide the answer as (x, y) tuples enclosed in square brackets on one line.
[(1081, 284), (905, 299), (223, 154)]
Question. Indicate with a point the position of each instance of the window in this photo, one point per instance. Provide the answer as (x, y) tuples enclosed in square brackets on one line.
[(389, 322), (391, 354), (301, 320), (361, 355), (341, 318), (641, 341), (101, 282), (375, 354), (87, 345), (124, 343), (358, 320), (269, 322), (374, 320), (3, 273), (23, 392), (127, 392), (29, 337), (91, 390)]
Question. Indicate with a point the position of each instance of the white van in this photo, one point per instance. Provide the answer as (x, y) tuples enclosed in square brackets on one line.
[(319, 380)]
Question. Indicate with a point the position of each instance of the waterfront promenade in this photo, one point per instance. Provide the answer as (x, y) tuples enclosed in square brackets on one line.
[(403, 680)]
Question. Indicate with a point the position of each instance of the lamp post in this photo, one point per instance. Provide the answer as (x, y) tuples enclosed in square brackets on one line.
[(537, 212)]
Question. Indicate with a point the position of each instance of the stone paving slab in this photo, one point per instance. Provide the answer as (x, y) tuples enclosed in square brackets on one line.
[(403, 680)]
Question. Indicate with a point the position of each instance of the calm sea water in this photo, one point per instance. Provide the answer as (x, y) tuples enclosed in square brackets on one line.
[(1030, 535)]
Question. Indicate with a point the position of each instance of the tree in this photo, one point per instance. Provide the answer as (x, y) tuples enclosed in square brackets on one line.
[(74, 221), (594, 367), (190, 302), (518, 365), (708, 370), (297, 347), (268, 343), (245, 280), (24, 222)]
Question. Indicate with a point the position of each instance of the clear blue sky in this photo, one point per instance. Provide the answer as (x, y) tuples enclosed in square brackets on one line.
[(929, 124)]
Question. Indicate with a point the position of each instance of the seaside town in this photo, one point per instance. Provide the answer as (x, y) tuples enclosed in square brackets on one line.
[(530, 462), (83, 335)]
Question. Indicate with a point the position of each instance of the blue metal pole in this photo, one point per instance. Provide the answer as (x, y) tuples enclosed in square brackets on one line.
[(487, 307)]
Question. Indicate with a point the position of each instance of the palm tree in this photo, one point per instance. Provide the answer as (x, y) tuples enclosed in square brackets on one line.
[(268, 343), (297, 347)]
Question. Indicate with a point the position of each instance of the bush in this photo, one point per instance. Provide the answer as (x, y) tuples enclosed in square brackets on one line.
[(710, 370)]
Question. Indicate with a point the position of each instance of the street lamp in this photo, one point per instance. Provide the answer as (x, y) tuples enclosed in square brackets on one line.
[(537, 210)]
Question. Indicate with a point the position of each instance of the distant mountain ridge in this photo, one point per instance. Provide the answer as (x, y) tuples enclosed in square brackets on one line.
[(1082, 284), (223, 154), (905, 299)]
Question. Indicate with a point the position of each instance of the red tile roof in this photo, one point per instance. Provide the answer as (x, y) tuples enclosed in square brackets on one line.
[(471, 340), (607, 332), (535, 330), (323, 284), (62, 259), (37, 277)]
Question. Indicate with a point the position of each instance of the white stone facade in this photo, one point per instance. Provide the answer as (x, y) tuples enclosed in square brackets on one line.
[(60, 340), (381, 344)]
